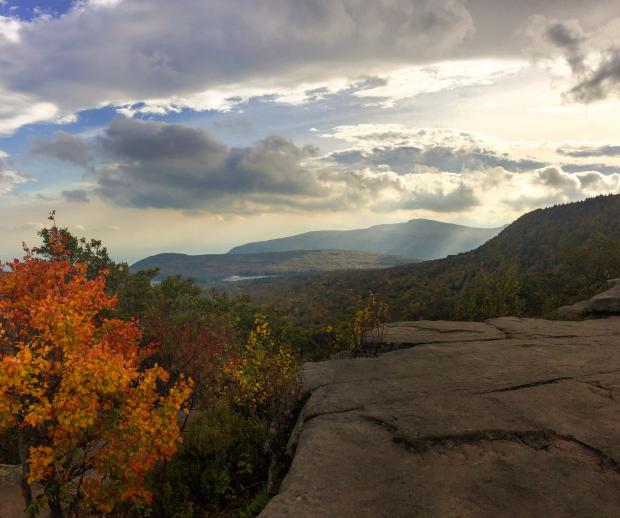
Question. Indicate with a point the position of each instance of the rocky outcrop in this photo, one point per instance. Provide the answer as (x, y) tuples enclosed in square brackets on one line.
[(512, 417), (603, 304), (607, 302)]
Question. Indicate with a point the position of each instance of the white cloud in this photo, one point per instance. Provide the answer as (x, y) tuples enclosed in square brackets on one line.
[(103, 3), (227, 98), (10, 178), (409, 82), (17, 110), (9, 29), (443, 170)]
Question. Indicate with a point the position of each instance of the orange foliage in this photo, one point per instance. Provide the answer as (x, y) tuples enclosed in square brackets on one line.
[(70, 381)]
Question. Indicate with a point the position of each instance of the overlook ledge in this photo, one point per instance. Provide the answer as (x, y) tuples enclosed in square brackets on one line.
[(513, 417)]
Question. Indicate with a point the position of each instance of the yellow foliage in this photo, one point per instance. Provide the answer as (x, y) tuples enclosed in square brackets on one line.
[(262, 372)]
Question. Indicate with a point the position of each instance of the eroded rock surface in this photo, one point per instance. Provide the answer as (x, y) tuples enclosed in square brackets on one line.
[(523, 421)]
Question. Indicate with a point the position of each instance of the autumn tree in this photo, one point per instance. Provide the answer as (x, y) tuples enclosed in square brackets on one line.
[(91, 423), (262, 373), (367, 325)]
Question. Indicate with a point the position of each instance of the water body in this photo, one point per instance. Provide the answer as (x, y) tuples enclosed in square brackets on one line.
[(237, 278)]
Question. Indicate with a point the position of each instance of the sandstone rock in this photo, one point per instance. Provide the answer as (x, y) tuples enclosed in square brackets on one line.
[(524, 424), (440, 331), (575, 311), (11, 500), (607, 302)]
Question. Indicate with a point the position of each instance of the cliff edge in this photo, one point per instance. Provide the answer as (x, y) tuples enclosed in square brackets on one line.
[(511, 417)]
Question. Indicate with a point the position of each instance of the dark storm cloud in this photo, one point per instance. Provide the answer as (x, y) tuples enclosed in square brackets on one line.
[(163, 165), (405, 159), (151, 164)]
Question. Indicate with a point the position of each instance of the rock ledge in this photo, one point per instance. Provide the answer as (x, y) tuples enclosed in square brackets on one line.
[(513, 417)]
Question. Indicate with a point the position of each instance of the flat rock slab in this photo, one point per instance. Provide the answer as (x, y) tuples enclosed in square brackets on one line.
[(537, 328), (523, 425), (426, 331)]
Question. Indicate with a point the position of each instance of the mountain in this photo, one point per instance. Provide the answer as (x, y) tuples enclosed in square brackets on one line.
[(420, 238), (546, 258), (214, 269)]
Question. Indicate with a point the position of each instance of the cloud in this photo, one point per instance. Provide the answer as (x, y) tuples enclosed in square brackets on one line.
[(9, 178), (19, 109), (601, 168), (146, 164), (459, 200), (556, 178), (157, 165), (150, 57), (589, 151), (63, 146), (593, 57), (445, 170), (407, 150), (569, 37), (134, 50), (407, 158), (601, 81), (409, 82), (76, 196)]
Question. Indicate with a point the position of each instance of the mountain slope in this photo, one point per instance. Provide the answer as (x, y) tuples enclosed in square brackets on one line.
[(527, 260), (420, 238), (212, 269)]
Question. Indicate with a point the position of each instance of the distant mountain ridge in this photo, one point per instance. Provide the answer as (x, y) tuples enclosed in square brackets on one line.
[(217, 269), (420, 238), (532, 248)]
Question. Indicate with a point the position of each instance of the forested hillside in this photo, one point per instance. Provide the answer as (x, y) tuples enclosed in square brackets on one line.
[(546, 258), (419, 238)]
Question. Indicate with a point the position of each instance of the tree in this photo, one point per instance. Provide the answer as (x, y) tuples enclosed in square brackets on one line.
[(91, 423), (262, 374), (367, 326), (491, 294), (133, 290)]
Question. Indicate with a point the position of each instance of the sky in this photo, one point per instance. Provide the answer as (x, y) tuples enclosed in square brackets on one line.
[(197, 125)]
